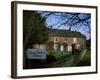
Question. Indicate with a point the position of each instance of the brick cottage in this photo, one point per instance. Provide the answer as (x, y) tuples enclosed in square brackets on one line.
[(63, 40)]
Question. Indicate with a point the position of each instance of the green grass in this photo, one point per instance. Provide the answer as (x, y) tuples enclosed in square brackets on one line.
[(59, 54), (66, 59), (69, 63), (86, 61)]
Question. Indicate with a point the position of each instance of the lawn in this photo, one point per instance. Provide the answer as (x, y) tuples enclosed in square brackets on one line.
[(66, 59), (86, 61), (62, 59), (59, 54)]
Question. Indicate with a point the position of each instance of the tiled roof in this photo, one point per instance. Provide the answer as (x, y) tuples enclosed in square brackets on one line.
[(65, 33)]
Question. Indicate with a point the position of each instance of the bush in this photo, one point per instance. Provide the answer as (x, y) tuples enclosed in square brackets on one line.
[(59, 55), (25, 53), (50, 58)]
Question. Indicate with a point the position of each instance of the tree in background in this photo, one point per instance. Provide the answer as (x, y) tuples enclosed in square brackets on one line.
[(72, 21), (34, 29), (68, 19)]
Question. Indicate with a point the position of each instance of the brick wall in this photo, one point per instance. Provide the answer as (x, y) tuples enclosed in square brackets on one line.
[(69, 40)]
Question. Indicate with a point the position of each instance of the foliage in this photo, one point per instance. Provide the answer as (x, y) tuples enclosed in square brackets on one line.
[(86, 61), (34, 29), (59, 54), (49, 45), (50, 58)]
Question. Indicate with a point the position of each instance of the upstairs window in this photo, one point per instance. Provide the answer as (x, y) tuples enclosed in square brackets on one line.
[(56, 39)]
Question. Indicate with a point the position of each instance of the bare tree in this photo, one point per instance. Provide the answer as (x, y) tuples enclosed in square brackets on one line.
[(70, 20)]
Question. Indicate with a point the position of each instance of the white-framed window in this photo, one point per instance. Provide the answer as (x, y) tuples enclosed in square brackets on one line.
[(61, 47), (74, 40), (55, 46), (55, 39)]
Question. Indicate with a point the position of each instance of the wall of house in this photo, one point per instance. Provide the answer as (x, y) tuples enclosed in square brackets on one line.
[(61, 40), (39, 46), (80, 42)]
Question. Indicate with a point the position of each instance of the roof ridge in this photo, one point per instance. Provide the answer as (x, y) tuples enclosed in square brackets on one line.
[(66, 33)]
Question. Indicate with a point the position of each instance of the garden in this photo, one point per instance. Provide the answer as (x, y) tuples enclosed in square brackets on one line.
[(67, 59), (61, 59)]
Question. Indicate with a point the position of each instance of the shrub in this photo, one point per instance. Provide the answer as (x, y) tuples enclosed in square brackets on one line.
[(50, 58)]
